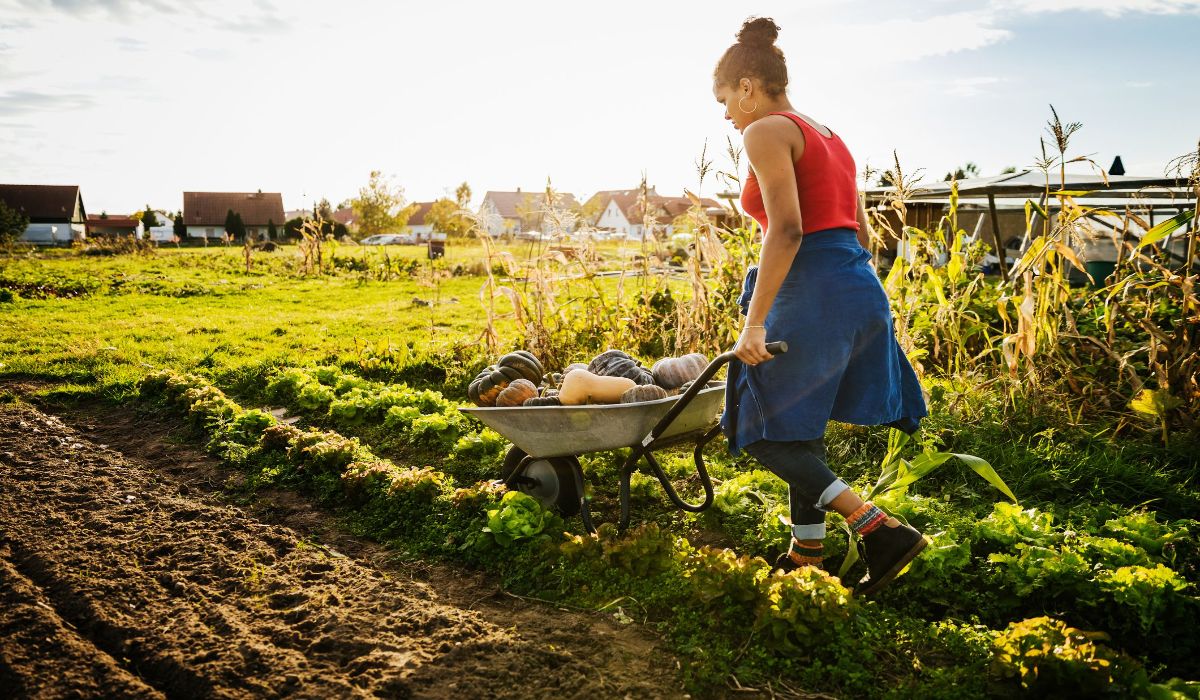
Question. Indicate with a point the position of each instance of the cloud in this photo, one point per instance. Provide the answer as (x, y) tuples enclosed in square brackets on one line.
[(260, 18), (28, 101), (939, 35), (1111, 8)]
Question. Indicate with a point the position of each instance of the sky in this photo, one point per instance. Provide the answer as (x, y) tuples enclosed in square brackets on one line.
[(137, 101)]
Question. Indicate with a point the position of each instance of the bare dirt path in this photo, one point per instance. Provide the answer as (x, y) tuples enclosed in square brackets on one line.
[(126, 572)]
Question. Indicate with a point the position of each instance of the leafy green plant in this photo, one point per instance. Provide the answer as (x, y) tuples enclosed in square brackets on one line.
[(518, 517)]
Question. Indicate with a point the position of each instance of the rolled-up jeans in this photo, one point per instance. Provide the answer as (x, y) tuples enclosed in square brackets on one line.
[(811, 483)]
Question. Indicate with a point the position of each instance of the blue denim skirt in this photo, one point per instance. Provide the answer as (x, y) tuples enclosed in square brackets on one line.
[(843, 362)]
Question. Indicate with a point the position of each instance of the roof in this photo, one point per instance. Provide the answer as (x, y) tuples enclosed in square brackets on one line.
[(344, 216), (210, 208), (42, 203), (667, 208), (508, 203), (418, 215), (112, 221), (1028, 183)]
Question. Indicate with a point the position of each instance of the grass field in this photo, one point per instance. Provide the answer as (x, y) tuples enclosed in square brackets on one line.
[(1103, 539)]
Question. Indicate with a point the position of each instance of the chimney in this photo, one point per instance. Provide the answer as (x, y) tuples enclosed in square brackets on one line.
[(1117, 168)]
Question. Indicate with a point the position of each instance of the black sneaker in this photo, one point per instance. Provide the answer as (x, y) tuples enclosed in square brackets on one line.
[(785, 562), (887, 551)]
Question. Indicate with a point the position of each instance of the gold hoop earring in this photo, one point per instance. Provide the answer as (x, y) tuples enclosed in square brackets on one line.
[(747, 111)]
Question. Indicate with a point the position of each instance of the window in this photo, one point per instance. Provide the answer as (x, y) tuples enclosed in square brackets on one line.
[(209, 232)]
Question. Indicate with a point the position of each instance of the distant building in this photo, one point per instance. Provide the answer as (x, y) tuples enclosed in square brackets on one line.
[(418, 223), (347, 218), (113, 225), (515, 212), (621, 211), (204, 212), (56, 213)]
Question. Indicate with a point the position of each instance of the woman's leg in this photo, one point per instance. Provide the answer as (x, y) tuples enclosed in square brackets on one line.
[(802, 465), (889, 545)]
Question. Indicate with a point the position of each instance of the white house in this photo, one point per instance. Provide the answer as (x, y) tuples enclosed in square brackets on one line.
[(204, 212), (514, 212), (621, 211), (113, 225), (418, 224), (56, 213)]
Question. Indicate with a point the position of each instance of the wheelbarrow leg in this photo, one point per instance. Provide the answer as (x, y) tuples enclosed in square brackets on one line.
[(584, 513), (627, 470)]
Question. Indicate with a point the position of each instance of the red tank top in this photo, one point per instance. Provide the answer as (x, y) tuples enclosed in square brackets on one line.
[(825, 180)]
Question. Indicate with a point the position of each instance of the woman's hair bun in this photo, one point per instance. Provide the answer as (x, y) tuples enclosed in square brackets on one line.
[(758, 31)]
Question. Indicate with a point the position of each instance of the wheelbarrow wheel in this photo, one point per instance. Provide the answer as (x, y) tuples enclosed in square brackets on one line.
[(552, 480)]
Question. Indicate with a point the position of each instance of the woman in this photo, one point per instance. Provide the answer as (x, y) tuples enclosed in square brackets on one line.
[(815, 288)]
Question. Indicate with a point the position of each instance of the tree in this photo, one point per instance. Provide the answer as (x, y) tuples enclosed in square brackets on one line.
[(445, 216), (12, 223), (148, 217), (379, 206), (291, 227), (234, 225), (462, 196), (963, 172), (272, 232), (179, 228)]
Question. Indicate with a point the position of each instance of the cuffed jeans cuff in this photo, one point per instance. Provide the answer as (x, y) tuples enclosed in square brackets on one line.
[(815, 531), (831, 492)]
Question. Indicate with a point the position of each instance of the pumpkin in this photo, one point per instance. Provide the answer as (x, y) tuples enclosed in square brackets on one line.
[(523, 362), (551, 379), (581, 386), (674, 372), (484, 388), (614, 363), (543, 401), (516, 393), (572, 367), (646, 392)]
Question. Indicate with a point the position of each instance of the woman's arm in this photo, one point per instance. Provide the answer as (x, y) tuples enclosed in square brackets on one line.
[(864, 223), (768, 148)]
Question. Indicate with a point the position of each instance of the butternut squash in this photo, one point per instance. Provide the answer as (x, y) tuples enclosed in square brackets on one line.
[(581, 387)]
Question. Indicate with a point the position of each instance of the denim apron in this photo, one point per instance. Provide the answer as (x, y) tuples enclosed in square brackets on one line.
[(843, 362)]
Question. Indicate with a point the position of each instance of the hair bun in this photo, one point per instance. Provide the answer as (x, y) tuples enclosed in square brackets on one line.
[(758, 31)]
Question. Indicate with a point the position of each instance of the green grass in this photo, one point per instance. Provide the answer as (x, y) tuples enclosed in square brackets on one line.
[(97, 325)]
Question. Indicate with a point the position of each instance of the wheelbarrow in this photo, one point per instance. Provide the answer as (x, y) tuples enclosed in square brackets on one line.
[(547, 441)]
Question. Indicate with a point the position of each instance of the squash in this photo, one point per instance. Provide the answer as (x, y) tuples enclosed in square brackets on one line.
[(488, 384), (543, 401), (646, 392), (516, 393), (674, 372), (614, 363), (581, 387), (523, 362), (572, 367), (551, 379)]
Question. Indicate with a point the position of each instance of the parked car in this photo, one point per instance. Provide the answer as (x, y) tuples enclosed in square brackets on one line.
[(389, 239)]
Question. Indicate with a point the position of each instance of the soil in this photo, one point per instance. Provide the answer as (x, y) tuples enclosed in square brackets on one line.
[(129, 569)]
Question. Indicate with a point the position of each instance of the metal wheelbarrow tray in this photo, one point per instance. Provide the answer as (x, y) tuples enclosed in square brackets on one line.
[(547, 441)]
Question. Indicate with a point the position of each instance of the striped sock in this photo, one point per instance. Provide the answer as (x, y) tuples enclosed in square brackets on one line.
[(866, 519), (803, 554)]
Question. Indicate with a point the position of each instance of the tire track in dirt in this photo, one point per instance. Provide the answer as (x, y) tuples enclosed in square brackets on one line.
[(140, 583)]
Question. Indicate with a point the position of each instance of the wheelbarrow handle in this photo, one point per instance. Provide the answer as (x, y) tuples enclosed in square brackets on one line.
[(776, 348)]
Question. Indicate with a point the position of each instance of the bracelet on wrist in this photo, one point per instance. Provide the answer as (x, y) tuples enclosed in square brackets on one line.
[(754, 326)]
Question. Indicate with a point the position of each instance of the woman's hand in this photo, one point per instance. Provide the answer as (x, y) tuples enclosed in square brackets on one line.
[(751, 346)]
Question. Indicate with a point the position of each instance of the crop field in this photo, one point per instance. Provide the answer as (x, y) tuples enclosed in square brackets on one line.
[(227, 471)]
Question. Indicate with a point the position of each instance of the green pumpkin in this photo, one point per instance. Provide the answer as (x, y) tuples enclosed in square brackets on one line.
[(614, 363)]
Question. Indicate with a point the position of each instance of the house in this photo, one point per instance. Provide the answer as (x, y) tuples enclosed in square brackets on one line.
[(56, 213), (113, 225), (204, 212), (346, 217), (516, 212), (621, 211), (418, 224)]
